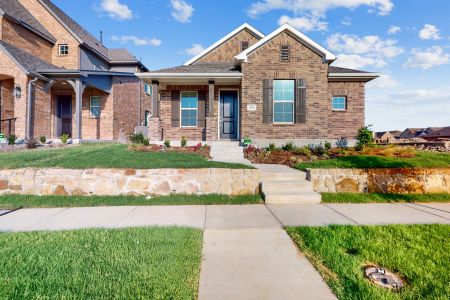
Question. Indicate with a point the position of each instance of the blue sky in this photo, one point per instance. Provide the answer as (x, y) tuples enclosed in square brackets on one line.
[(408, 41)]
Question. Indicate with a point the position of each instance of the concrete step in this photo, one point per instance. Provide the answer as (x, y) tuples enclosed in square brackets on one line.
[(286, 185), (292, 197), (284, 175)]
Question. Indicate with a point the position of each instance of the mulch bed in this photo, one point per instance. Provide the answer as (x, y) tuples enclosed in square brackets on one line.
[(280, 157), (22, 147), (202, 150)]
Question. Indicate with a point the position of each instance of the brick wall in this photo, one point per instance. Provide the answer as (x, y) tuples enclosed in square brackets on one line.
[(146, 103), (26, 40), (125, 93), (42, 112), (6, 97), (229, 49), (71, 61), (97, 128), (265, 63), (346, 123)]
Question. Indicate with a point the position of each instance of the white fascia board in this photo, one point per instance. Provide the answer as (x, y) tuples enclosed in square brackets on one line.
[(223, 40), (188, 75), (327, 54), (353, 75)]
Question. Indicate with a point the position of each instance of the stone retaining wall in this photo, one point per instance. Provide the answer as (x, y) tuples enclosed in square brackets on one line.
[(402, 181), (112, 182)]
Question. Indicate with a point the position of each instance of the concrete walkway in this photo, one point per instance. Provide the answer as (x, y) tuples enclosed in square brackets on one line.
[(246, 252)]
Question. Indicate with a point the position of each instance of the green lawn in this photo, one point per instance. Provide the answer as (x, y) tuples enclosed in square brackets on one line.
[(417, 252), (106, 156), (422, 160), (15, 201), (382, 198), (153, 263)]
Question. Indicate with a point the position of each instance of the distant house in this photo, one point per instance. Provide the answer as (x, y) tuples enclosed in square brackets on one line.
[(384, 137), (442, 134), (411, 133)]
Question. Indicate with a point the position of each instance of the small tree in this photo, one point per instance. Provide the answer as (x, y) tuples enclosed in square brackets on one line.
[(364, 137), (183, 141)]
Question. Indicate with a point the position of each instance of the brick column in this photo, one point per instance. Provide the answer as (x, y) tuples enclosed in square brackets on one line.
[(154, 129), (211, 129)]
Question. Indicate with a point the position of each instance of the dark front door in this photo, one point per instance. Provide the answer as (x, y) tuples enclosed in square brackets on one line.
[(229, 115), (64, 114)]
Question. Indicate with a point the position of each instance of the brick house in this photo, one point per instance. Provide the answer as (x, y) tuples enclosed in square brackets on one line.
[(273, 88), (57, 78)]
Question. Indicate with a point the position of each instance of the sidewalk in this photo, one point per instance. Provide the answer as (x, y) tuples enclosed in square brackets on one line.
[(246, 252)]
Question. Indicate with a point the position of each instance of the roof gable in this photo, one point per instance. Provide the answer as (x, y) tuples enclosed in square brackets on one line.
[(327, 55), (244, 26)]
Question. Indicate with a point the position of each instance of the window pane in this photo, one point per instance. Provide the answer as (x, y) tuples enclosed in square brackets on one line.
[(283, 112), (289, 85), (95, 112), (95, 101), (189, 118), (339, 103), (189, 100), (288, 95), (278, 95)]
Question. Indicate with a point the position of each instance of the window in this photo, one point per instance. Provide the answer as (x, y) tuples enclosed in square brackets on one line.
[(63, 49), (285, 54), (283, 101), (95, 107), (189, 108), (339, 103), (244, 45), (148, 88)]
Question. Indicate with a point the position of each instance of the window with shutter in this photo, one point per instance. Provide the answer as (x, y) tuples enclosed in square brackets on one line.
[(300, 101), (283, 101), (285, 53), (189, 109)]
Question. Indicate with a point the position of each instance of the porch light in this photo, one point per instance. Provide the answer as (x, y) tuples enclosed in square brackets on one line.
[(17, 91)]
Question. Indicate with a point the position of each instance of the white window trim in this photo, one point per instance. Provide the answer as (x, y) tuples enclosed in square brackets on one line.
[(181, 109), (99, 106), (59, 49), (284, 101), (148, 89), (339, 109)]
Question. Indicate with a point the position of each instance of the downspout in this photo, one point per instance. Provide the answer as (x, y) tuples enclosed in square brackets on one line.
[(30, 106)]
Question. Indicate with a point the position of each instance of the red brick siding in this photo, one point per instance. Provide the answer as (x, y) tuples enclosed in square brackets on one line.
[(42, 111), (126, 92)]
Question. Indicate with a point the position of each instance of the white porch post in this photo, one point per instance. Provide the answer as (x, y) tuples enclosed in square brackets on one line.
[(79, 87)]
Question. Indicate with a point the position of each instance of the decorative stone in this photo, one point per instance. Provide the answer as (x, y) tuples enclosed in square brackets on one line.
[(60, 191), (347, 185), (384, 278), (4, 184)]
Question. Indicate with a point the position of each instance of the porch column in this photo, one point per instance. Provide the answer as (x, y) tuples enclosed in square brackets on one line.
[(79, 89), (155, 98), (211, 121), (211, 99)]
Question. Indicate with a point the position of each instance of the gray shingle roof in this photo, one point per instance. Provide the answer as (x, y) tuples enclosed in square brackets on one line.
[(29, 62), (77, 29), (332, 69), (15, 10), (120, 55), (213, 67)]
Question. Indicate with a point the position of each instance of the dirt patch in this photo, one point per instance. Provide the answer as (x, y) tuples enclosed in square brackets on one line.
[(202, 150)]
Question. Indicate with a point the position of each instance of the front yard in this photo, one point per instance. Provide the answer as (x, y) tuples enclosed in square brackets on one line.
[(383, 198), (106, 156), (153, 263), (418, 253)]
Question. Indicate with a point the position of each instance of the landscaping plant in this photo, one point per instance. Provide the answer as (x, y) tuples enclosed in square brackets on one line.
[(271, 147), (146, 142), (342, 142), (42, 139), (364, 137), (12, 139), (167, 143), (183, 142), (32, 143), (289, 147), (64, 138), (137, 138), (327, 145)]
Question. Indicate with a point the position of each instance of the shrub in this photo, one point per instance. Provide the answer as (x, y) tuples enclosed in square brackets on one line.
[(167, 143), (146, 142), (183, 141), (137, 138), (342, 142), (32, 143), (64, 138), (305, 151), (12, 139), (271, 147), (364, 137), (42, 139), (289, 147), (327, 145), (320, 150)]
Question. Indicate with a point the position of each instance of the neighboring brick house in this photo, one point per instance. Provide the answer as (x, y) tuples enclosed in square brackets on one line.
[(387, 137), (273, 88), (57, 78)]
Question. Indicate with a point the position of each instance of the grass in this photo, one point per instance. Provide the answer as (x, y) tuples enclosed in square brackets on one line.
[(106, 156), (383, 198), (421, 160), (416, 252), (28, 201), (152, 263)]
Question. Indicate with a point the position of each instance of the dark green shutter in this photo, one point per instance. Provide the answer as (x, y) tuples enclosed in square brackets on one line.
[(300, 101), (175, 107), (202, 95), (267, 101)]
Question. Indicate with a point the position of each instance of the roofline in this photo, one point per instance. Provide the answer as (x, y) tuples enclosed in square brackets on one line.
[(328, 56), (190, 75), (21, 67), (224, 39), (29, 27), (354, 75)]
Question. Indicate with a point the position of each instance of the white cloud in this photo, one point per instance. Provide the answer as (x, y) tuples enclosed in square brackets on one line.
[(115, 9), (384, 81), (394, 30), (316, 7), (346, 21), (429, 32), (194, 50), (428, 58), (137, 41), (304, 23), (355, 61), (181, 11)]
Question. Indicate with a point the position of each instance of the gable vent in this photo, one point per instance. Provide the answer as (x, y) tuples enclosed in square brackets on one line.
[(285, 53)]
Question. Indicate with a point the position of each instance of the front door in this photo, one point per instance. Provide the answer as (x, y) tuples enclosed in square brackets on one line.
[(64, 115), (229, 115)]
